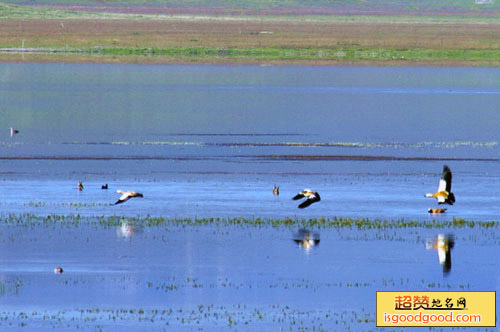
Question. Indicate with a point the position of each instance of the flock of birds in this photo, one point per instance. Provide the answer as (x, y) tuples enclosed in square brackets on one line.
[(442, 243), (307, 239), (443, 195), (125, 194)]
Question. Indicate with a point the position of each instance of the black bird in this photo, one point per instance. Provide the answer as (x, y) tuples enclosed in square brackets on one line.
[(104, 186), (444, 194), (312, 197)]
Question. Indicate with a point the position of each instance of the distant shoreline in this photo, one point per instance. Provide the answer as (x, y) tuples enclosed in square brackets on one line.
[(61, 34)]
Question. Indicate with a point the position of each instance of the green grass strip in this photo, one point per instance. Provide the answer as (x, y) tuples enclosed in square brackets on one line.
[(308, 54), (287, 54), (71, 220)]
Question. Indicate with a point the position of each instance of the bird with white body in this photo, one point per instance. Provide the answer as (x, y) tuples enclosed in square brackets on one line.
[(126, 195), (444, 194), (312, 197)]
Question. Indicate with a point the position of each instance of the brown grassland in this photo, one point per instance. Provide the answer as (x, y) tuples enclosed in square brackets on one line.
[(251, 33)]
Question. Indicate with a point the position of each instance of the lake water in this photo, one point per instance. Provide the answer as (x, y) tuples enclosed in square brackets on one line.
[(211, 142)]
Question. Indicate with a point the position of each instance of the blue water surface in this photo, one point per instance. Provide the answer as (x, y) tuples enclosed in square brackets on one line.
[(211, 142)]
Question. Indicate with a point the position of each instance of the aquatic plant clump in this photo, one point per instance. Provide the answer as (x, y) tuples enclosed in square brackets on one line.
[(323, 222)]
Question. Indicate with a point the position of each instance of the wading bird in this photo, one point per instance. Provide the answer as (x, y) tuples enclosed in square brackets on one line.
[(444, 194), (126, 195), (312, 197), (276, 190)]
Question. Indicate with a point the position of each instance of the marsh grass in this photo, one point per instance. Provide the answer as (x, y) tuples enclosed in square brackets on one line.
[(337, 222), (212, 317), (334, 55)]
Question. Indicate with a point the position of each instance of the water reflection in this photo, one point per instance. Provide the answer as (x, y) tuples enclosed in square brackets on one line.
[(443, 244), (436, 211), (306, 239), (127, 230)]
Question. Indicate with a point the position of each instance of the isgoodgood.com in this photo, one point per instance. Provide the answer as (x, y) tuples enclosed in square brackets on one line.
[(422, 318)]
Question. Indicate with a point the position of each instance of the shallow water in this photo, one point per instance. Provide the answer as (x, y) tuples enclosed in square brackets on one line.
[(185, 277), (212, 141)]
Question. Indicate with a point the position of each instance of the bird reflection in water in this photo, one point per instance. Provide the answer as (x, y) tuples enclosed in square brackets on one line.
[(443, 244), (126, 230), (306, 239)]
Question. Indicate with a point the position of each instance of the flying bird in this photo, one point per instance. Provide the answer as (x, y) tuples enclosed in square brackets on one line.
[(443, 244), (80, 185), (444, 194), (13, 131), (126, 195), (306, 239), (312, 197)]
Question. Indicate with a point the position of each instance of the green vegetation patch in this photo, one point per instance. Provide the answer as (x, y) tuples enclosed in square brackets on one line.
[(336, 222), (335, 55), (341, 54), (15, 12)]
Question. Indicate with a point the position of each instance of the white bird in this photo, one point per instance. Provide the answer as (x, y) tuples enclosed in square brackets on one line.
[(312, 197), (13, 131), (126, 195), (444, 194)]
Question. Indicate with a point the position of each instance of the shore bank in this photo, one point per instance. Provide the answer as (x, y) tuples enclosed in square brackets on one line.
[(39, 34)]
